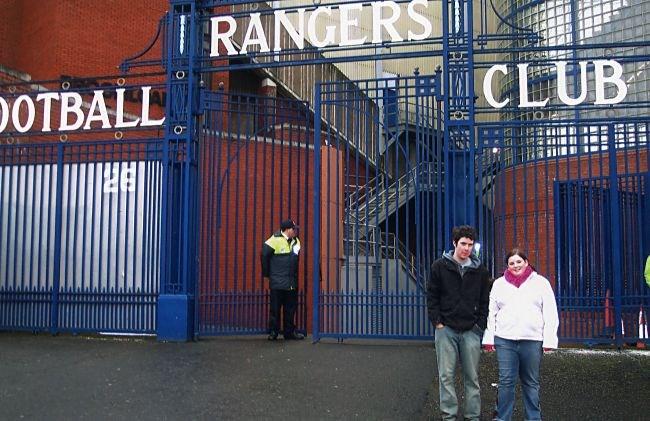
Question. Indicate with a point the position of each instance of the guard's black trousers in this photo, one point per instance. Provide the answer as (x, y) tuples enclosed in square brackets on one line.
[(288, 301)]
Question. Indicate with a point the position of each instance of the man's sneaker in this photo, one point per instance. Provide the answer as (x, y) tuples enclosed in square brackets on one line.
[(272, 336), (294, 336)]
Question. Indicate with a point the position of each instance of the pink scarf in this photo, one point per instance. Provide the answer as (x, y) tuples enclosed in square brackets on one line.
[(517, 280)]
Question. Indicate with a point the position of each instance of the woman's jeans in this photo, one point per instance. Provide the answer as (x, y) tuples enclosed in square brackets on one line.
[(450, 345), (518, 359)]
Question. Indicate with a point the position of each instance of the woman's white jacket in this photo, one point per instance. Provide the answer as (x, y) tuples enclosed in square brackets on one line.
[(525, 313)]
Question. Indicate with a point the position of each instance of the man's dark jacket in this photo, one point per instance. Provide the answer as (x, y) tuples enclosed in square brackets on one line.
[(455, 300), (280, 262)]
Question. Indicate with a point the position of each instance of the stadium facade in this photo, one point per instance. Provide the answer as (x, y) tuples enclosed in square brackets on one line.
[(137, 199)]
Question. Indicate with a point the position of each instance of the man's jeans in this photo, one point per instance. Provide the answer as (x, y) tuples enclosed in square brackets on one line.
[(518, 359), (450, 345)]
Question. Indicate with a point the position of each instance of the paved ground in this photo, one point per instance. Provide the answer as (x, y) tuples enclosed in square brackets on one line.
[(248, 378)]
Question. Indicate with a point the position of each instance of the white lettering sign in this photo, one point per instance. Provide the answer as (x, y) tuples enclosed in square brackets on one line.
[(74, 113), (384, 13), (600, 83)]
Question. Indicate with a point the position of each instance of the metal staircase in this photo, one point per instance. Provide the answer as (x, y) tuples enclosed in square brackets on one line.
[(367, 208), (371, 206)]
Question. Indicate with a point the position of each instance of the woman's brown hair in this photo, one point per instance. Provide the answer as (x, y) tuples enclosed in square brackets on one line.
[(516, 252)]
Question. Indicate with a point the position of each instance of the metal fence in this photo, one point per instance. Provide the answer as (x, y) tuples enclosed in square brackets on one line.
[(255, 170), (380, 220), (573, 195), (80, 236)]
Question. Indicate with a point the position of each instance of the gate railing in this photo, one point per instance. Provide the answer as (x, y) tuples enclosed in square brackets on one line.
[(363, 237), (573, 199), (255, 170), (80, 236)]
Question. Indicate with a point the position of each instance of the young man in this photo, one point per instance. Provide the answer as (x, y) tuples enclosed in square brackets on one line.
[(280, 266), (458, 295)]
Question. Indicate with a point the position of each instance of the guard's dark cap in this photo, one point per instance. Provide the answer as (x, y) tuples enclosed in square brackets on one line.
[(288, 223)]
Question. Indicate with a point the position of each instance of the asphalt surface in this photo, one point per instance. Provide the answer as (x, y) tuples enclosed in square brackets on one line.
[(64, 377)]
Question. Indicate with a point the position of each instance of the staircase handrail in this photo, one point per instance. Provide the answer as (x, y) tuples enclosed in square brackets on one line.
[(409, 264), (363, 192), (390, 247), (389, 192)]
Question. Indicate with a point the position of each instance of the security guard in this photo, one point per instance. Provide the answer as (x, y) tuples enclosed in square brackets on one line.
[(280, 265)]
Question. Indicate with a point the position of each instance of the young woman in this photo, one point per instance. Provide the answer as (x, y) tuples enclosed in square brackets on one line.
[(522, 323)]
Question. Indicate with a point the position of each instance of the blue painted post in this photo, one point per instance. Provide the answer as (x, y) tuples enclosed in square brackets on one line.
[(459, 138), (559, 256), (176, 303), (316, 271), (617, 243), (56, 284)]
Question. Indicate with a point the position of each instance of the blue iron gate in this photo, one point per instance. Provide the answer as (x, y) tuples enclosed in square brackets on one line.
[(79, 236), (255, 170), (575, 199), (382, 206), (601, 290), (378, 221), (388, 193)]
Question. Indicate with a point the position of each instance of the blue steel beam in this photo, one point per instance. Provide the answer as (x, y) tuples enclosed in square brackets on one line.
[(458, 91), (176, 304), (617, 238)]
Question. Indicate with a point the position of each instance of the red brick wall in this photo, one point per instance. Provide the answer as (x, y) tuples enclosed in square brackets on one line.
[(9, 34), (76, 37)]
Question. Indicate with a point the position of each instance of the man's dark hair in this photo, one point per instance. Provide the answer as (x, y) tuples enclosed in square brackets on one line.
[(464, 231)]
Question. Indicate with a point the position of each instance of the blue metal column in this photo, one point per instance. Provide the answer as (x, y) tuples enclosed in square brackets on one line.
[(316, 224), (616, 237), (459, 143), (56, 285), (180, 175)]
